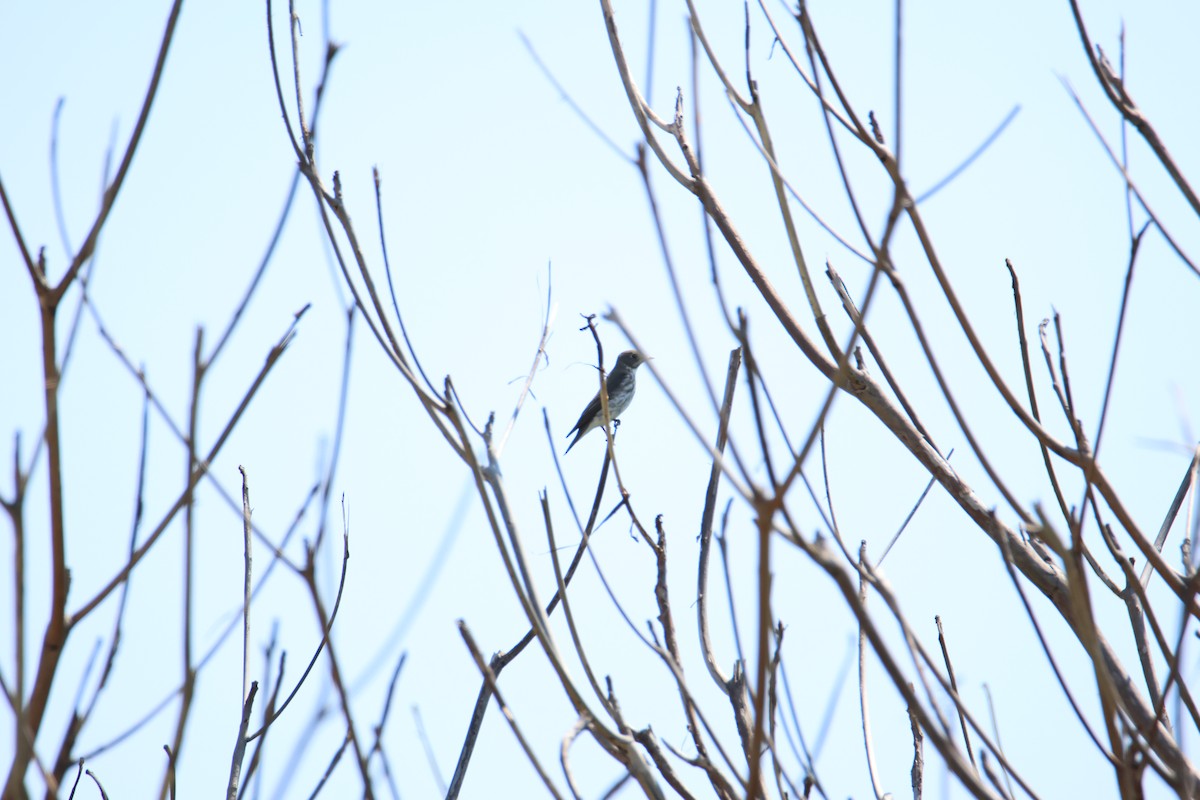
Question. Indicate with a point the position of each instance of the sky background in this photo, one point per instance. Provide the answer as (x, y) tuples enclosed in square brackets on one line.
[(495, 197)]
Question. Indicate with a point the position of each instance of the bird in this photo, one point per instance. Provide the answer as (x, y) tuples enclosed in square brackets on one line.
[(620, 385)]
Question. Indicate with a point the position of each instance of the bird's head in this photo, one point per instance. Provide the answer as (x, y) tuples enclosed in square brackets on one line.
[(631, 359)]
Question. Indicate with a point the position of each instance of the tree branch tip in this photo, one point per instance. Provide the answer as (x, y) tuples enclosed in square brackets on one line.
[(875, 129)]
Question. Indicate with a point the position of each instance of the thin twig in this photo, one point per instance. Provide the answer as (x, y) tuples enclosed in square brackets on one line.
[(490, 677), (863, 705), (954, 685), (239, 750)]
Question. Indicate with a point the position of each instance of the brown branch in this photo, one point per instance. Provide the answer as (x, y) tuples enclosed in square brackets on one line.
[(863, 705), (671, 640), (198, 473), (335, 673), (918, 766), (187, 690), (494, 690), (824, 558), (962, 721), (1118, 96), (503, 658), (239, 750), (326, 629), (706, 521), (110, 194)]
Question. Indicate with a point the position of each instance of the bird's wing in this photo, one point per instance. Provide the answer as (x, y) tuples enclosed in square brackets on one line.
[(592, 410)]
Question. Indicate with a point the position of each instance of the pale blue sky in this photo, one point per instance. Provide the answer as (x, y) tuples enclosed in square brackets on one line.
[(488, 178)]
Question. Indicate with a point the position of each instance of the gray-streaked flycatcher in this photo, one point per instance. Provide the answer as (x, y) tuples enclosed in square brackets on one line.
[(620, 385)]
